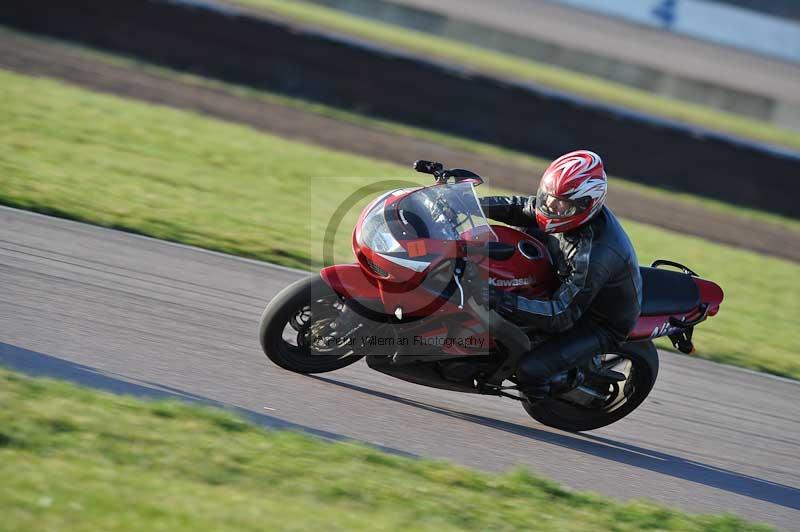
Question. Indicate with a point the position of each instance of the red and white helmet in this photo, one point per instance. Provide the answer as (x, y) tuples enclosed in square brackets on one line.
[(572, 190)]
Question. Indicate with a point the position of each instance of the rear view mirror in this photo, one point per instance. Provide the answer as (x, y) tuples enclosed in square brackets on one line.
[(442, 174), (460, 174)]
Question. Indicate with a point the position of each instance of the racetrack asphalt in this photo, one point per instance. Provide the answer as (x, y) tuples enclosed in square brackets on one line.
[(136, 315)]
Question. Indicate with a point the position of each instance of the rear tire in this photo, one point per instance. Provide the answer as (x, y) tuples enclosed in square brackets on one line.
[(561, 414), (295, 312)]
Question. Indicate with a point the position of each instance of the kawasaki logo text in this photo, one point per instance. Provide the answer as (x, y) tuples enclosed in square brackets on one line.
[(522, 281)]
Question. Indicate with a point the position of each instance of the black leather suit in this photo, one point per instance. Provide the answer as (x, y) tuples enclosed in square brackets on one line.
[(599, 299)]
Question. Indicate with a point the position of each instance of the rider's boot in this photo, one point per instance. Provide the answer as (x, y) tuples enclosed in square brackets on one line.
[(546, 369)]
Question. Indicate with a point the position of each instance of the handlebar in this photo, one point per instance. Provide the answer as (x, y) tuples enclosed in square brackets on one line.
[(442, 174)]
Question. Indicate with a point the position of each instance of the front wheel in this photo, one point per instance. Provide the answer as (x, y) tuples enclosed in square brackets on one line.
[(598, 403), (295, 330)]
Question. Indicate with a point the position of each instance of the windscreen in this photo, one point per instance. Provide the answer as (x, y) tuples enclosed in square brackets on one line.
[(444, 212)]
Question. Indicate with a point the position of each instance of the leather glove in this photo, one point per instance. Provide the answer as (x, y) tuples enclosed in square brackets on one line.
[(501, 301)]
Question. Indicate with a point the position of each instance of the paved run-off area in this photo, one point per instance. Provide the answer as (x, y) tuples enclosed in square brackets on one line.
[(137, 315)]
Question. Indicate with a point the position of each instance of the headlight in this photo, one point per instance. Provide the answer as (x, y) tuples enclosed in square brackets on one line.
[(375, 233)]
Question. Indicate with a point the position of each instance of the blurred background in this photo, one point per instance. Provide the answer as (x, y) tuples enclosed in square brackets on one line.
[(736, 56), (241, 127)]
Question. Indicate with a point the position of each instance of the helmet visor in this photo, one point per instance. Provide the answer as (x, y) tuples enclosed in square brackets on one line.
[(554, 207)]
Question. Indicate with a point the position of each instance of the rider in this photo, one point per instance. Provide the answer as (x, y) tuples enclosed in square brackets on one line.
[(599, 299)]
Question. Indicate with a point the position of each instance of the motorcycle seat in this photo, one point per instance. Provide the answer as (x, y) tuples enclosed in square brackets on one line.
[(667, 292)]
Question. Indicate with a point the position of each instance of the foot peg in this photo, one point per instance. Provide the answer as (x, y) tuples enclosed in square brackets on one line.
[(682, 341), (608, 376)]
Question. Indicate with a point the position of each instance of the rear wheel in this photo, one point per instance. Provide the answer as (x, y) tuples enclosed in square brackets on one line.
[(601, 401), (295, 330)]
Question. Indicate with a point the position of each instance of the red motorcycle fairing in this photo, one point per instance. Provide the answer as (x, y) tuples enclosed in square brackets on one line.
[(350, 281), (529, 271), (421, 252), (650, 327), (710, 293)]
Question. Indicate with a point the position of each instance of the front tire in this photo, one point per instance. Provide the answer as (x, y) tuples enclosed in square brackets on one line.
[(562, 414), (294, 324)]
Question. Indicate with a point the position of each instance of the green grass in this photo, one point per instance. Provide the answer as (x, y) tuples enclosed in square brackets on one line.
[(762, 300), (183, 177), (77, 459), (509, 65), (535, 165)]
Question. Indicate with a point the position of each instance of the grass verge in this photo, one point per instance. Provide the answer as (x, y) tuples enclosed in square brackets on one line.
[(186, 178), (78, 459), (517, 67), (535, 165)]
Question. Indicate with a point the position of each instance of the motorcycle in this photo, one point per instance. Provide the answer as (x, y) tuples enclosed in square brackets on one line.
[(411, 306)]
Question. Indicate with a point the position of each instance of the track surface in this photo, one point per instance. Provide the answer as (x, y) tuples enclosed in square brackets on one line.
[(34, 56), (137, 315)]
